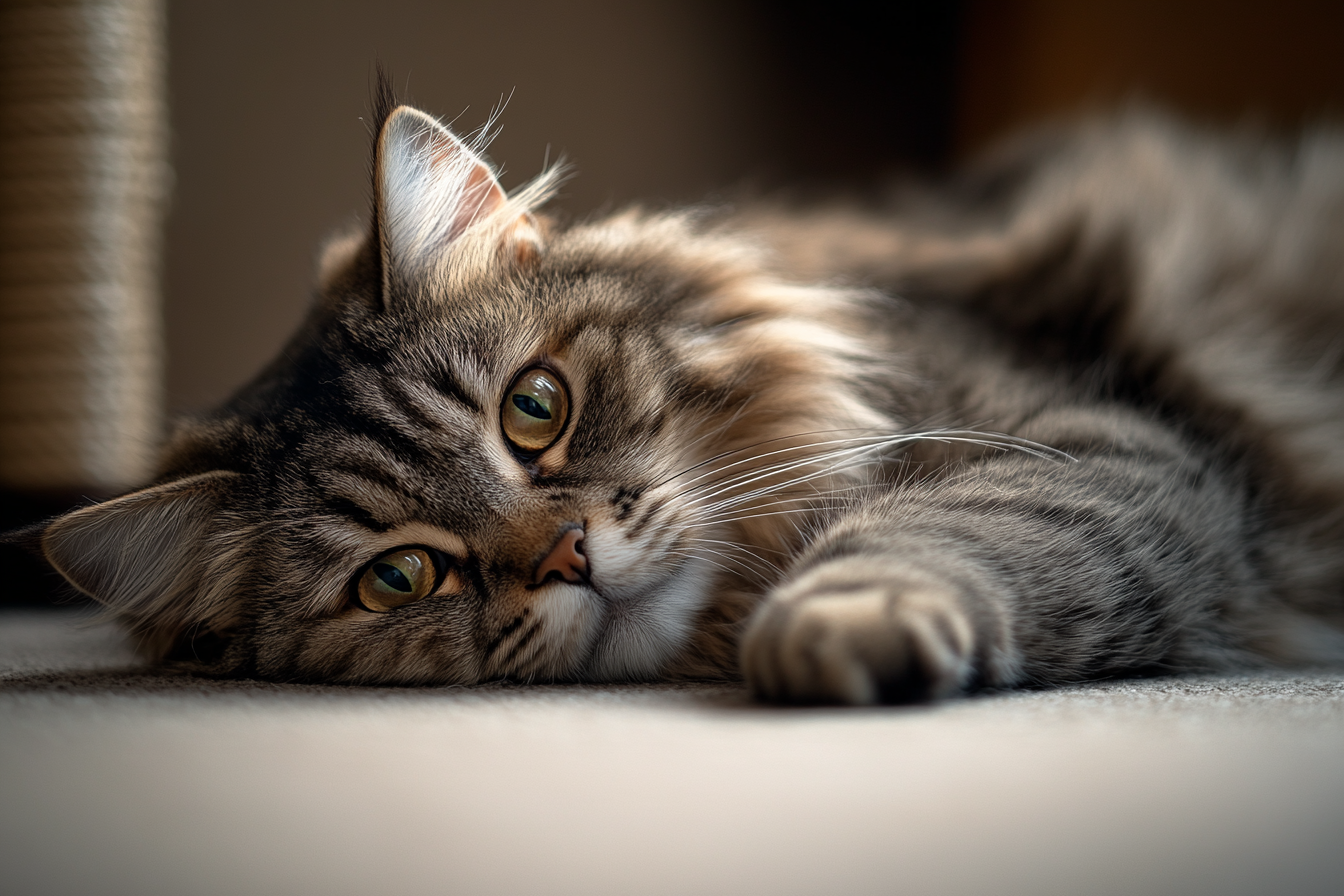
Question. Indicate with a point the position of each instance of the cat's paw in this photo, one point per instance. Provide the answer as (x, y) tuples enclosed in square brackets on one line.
[(842, 634)]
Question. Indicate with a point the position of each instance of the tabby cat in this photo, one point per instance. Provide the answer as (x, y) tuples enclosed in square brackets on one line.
[(1078, 413)]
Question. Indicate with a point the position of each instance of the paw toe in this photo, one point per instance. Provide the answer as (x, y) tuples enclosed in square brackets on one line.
[(860, 646)]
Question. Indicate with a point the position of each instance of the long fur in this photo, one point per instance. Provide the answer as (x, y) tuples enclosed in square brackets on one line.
[(1077, 413)]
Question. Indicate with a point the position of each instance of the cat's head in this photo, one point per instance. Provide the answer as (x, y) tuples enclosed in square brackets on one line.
[(496, 447)]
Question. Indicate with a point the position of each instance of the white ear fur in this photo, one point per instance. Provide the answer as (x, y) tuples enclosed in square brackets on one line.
[(432, 188), (151, 555)]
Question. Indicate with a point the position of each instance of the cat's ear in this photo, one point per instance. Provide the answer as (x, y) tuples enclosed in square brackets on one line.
[(431, 190), (161, 558)]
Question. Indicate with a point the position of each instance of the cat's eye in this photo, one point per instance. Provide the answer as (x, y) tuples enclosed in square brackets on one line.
[(534, 411), (397, 578)]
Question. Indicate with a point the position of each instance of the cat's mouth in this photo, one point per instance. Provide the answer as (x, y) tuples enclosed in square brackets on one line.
[(615, 595), (640, 596)]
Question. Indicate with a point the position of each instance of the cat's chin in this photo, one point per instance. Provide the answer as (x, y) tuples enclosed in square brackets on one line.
[(645, 628)]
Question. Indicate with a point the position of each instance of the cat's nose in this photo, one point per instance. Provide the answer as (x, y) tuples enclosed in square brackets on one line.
[(565, 560)]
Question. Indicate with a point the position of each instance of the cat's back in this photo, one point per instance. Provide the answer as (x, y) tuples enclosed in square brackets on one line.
[(1206, 269)]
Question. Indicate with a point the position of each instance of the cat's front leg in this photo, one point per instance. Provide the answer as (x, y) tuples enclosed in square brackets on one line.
[(1135, 555), (875, 628)]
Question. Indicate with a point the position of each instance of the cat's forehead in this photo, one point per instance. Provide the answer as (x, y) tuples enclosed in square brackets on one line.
[(412, 423), (392, 412), (475, 342), (375, 450)]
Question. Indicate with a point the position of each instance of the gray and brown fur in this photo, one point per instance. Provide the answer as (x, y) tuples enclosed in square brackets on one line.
[(1075, 414)]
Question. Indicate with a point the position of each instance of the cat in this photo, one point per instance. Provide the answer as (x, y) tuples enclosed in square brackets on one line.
[(1076, 413)]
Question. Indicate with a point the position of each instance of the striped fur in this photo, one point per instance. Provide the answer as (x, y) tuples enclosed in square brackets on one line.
[(1076, 414)]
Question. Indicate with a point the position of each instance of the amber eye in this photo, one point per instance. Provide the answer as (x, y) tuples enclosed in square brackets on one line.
[(395, 579), (534, 411)]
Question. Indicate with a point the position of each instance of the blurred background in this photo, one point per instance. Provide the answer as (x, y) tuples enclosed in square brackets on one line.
[(653, 101), (266, 137)]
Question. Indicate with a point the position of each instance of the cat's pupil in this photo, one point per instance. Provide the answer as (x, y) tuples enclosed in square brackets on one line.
[(530, 406), (392, 577)]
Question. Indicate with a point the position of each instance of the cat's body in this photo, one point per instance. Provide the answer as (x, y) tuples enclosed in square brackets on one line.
[(1079, 414)]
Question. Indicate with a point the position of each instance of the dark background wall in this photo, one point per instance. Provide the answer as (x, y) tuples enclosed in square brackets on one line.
[(1277, 63)]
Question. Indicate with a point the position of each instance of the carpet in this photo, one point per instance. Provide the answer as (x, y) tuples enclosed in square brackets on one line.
[(117, 779)]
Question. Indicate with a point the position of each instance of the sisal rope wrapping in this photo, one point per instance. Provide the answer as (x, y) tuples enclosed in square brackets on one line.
[(83, 179)]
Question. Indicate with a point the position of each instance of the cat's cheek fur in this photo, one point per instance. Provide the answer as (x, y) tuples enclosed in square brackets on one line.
[(643, 633), (423, 644), (550, 633)]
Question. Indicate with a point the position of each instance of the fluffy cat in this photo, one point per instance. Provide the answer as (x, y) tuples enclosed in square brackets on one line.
[(1076, 414)]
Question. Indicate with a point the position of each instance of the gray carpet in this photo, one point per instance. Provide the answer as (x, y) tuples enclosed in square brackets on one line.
[(116, 779)]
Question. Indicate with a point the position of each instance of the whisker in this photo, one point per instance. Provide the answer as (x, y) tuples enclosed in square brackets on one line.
[(752, 516), (756, 457), (756, 445), (742, 568), (713, 513), (868, 443), (756, 563), (788, 466), (689, 555), (724, 515), (817, 496), (989, 440), (740, 547)]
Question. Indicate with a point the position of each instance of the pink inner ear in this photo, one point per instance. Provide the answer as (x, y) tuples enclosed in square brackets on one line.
[(481, 196)]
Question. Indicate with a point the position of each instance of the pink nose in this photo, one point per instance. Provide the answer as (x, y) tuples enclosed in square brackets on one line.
[(566, 560)]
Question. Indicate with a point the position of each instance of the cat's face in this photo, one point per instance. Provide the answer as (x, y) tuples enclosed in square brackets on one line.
[(483, 429), (492, 450)]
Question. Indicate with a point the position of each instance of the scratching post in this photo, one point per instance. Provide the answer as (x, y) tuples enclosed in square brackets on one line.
[(83, 176)]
